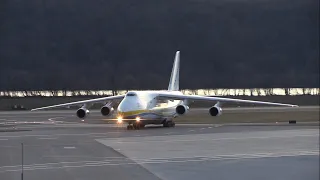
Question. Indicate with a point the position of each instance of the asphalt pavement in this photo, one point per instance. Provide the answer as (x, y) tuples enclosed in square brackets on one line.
[(57, 145)]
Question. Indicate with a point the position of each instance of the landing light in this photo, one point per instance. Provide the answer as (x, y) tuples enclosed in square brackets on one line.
[(119, 119), (138, 119)]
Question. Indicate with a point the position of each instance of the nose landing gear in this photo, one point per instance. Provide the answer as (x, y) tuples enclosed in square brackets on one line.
[(135, 126), (129, 127)]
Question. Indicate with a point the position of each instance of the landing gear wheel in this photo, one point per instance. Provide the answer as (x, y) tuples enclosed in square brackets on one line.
[(129, 127), (173, 124), (136, 126), (165, 124), (169, 124)]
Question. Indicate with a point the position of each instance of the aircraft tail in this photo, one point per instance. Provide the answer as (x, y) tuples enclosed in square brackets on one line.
[(174, 79)]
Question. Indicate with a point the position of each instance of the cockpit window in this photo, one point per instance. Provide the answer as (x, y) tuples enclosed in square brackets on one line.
[(131, 94)]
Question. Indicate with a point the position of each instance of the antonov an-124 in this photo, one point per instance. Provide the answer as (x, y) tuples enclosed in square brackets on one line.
[(139, 108)]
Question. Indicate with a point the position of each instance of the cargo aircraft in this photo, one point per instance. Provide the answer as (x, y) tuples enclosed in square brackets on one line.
[(139, 108)]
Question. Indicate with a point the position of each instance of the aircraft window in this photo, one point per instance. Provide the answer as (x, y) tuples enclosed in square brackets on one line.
[(131, 94)]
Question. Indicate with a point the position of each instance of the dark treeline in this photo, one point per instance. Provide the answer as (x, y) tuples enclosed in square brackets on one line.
[(113, 44)]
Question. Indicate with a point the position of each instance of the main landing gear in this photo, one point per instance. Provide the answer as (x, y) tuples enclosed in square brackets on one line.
[(135, 126), (169, 124)]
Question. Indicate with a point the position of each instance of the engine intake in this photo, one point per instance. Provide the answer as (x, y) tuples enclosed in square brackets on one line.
[(215, 111), (82, 113), (106, 110), (182, 109)]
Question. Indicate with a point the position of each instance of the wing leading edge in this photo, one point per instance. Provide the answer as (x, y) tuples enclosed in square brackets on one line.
[(219, 99), (90, 101)]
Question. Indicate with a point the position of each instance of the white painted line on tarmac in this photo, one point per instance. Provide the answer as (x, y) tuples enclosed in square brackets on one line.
[(48, 135), (99, 136), (183, 124), (48, 138), (9, 120), (212, 139), (169, 133), (3, 139), (105, 159), (97, 163), (53, 119), (69, 147)]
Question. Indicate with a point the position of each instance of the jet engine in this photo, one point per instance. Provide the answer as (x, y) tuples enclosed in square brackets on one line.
[(215, 111), (106, 110), (182, 109), (82, 112)]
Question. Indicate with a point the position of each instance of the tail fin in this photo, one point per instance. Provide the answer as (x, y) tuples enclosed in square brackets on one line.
[(174, 79)]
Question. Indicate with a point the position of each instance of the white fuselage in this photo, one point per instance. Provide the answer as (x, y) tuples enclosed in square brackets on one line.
[(145, 105)]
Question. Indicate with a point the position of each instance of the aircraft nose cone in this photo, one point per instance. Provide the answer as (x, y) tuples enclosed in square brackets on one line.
[(130, 107), (121, 113), (130, 113), (122, 110)]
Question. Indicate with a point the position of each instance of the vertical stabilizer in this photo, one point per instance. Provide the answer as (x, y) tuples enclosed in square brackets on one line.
[(174, 79)]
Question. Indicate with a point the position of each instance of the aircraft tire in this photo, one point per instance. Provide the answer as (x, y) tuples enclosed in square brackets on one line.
[(169, 124), (165, 124), (173, 124), (129, 127), (137, 126), (142, 125)]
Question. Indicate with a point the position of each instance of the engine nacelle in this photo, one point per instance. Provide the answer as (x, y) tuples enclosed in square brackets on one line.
[(182, 109), (215, 111), (106, 110), (82, 112)]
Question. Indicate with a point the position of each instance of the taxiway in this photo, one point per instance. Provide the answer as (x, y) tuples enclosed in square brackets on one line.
[(56, 146)]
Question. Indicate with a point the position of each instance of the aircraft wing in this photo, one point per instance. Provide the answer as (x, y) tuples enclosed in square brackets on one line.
[(90, 101), (218, 99)]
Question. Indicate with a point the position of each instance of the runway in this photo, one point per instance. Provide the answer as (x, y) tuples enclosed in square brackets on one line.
[(58, 146)]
